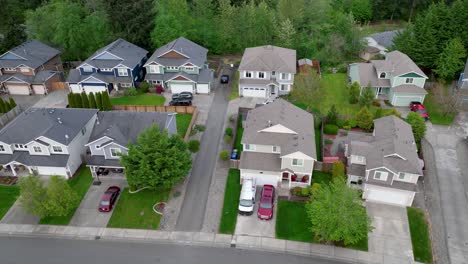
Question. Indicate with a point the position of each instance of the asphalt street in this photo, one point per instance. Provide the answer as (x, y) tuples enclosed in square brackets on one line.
[(196, 196), (16, 250)]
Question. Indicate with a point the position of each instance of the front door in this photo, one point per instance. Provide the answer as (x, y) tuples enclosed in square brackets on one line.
[(285, 176), (272, 89)]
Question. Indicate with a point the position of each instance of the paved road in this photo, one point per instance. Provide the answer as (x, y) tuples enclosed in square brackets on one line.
[(196, 196), (55, 251)]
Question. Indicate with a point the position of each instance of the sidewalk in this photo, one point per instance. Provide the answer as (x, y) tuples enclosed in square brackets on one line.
[(198, 239)]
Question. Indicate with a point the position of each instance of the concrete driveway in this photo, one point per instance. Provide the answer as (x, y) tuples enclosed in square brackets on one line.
[(25, 101), (391, 235), (87, 213), (55, 99), (17, 215)]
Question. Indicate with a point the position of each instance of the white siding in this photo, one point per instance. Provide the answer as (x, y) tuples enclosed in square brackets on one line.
[(7, 147), (77, 147), (54, 143), (409, 177), (395, 81), (98, 151), (44, 149), (306, 168), (356, 160), (261, 177)]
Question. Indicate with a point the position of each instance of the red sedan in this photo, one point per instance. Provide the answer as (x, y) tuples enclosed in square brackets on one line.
[(265, 208), (420, 109), (108, 199)]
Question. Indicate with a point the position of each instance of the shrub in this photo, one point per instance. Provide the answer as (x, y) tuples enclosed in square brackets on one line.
[(347, 127), (328, 141), (144, 87), (297, 191), (159, 89), (387, 102), (132, 91), (332, 116), (341, 122), (227, 139), (224, 155), (342, 68), (365, 119), (152, 90), (354, 91), (338, 169), (378, 114), (228, 131), (330, 129), (376, 103), (352, 123), (194, 146), (232, 118)]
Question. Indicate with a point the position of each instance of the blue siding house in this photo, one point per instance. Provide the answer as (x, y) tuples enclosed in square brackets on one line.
[(118, 66)]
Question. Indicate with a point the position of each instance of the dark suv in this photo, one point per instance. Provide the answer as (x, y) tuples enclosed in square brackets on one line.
[(182, 95), (180, 102)]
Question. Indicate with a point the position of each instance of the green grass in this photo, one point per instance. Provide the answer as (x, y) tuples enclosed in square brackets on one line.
[(141, 99), (183, 122), (292, 223), (231, 202), (80, 184), (318, 145), (8, 196), (136, 210), (240, 131), (321, 177), (435, 113), (235, 87), (419, 235)]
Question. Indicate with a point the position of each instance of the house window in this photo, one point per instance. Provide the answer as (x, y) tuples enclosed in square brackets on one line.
[(261, 75), (360, 158), (57, 148), (125, 84), (19, 146), (175, 68), (409, 80), (37, 149), (381, 175), (284, 76), (83, 131), (123, 72), (383, 75), (401, 176), (9, 69), (297, 162), (249, 147), (2, 148), (275, 149), (87, 69), (273, 73), (106, 69), (153, 69), (189, 68), (97, 147), (24, 69), (248, 74), (284, 87), (115, 152)]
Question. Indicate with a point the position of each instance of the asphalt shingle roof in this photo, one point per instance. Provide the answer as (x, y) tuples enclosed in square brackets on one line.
[(385, 39), (31, 53), (196, 54), (269, 58)]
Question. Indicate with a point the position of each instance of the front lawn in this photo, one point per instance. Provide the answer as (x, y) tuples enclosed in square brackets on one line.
[(141, 99), (419, 235), (231, 202), (136, 210), (8, 196), (80, 183), (240, 131), (183, 122), (321, 177), (435, 113), (292, 223)]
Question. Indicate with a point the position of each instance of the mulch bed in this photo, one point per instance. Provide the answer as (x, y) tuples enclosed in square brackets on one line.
[(8, 180)]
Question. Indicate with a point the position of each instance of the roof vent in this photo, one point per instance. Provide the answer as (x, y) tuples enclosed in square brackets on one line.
[(59, 120), (51, 111), (66, 138), (269, 123)]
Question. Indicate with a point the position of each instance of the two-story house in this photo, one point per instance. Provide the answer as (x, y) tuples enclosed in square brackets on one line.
[(180, 66), (385, 164), (116, 66), (462, 87), (278, 145), (30, 68), (396, 79), (46, 141), (113, 130), (267, 71)]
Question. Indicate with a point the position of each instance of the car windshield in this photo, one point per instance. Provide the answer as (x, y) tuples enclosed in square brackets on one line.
[(105, 203), (265, 205), (246, 203), (422, 111)]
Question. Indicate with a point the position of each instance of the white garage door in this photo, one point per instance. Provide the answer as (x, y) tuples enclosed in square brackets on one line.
[(181, 87), (203, 88), (38, 89), (262, 179), (18, 89), (74, 88), (389, 196), (52, 171), (254, 92), (94, 89), (406, 100)]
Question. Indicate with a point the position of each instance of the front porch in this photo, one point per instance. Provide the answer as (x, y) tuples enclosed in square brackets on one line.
[(16, 170), (290, 180), (99, 172)]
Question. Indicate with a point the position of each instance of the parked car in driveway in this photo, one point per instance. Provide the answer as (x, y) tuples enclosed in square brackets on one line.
[(182, 95), (265, 208), (180, 102), (108, 199), (224, 78), (247, 197), (420, 109)]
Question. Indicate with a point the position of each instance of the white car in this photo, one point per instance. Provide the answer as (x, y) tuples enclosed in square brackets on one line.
[(247, 197)]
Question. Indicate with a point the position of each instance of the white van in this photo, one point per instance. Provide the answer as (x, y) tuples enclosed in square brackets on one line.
[(247, 197)]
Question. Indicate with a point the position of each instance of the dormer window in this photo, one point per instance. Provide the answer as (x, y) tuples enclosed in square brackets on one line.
[(123, 72), (2, 148), (409, 80), (189, 68), (383, 75), (57, 148), (115, 152), (248, 74), (106, 69), (19, 146), (275, 149), (87, 69), (153, 69), (24, 69), (37, 149), (175, 68), (9, 69), (273, 73)]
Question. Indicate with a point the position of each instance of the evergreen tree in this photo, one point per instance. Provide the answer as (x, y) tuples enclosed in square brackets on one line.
[(71, 102), (174, 13), (354, 91), (12, 102), (364, 119), (452, 59), (84, 100), (92, 101), (286, 33), (332, 115), (367, 96), (99, 101), (7, 106), (3, 108), (417, 124), (106, 103), (77, 99)]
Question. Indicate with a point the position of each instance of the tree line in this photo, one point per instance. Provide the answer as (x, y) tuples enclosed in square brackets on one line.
[(99, 101)]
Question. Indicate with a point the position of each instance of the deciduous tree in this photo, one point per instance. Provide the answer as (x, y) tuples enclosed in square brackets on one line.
[(417, 124)]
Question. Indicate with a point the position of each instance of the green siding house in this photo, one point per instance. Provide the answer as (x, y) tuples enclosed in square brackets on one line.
[(396, 79)]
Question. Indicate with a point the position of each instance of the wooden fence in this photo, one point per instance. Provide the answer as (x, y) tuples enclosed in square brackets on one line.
[(157, 108), (192, 122), (59, 86)]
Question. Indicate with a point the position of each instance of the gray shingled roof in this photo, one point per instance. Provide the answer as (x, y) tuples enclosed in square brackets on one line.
[(36, 122), (409, 88), (205, 76), (40, 77), (23, 157), (75, 77), (130, 55), (96, 160), (125, 126), (368, 75), (195, 52), (269, 58), (385, 38), (402, 63), (288, 115), (260, 161), (31, 53)]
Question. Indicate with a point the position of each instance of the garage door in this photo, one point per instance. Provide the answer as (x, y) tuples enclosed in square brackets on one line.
[(181, 87), (38, 89), (74, 88), (18, 89), (52, 171), (406, 100), (254, 92), (94, 89), (203, 88), (389, 196), (262, 179)]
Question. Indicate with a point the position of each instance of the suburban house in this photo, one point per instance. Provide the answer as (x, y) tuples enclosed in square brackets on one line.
[(462, 86), (116, 66), (396, 79), (278, 145), (113, 130), (46, 141), (267, 71), (382, 41), (385, 165), (180, 66), (31, 68)]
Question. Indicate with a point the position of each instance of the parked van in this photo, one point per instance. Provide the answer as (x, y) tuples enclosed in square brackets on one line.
[(247, 197)]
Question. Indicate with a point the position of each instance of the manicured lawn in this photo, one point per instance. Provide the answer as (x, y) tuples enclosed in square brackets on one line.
[(435, 113), (183, 122), (231, 202), (321, 177), (292, 223), (318, 145), (234, 87), (240, 131), (80, 183), (136, 210), (141, 99), (419, 235), (8, 196)]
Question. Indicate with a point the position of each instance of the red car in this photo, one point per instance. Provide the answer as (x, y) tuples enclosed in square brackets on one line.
[(420, 109), (108, 199), (265, 207)]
